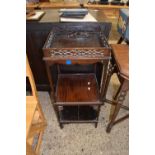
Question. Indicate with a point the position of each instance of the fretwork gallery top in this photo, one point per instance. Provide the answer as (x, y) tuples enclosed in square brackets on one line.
[(82, 43)]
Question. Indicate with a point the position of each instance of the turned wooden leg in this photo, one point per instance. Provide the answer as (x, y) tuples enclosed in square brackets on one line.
[(121, 97), (52, 93), (115, 97), (60, 108), (61, 125), (98, 112), (120, 40), (96, 125)]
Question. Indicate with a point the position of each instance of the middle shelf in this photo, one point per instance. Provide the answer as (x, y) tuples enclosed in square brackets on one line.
[(81, 88)]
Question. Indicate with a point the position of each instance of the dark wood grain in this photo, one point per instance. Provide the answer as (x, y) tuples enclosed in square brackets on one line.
[(121, 55), (73, 88), (77, 89), (120, 66)]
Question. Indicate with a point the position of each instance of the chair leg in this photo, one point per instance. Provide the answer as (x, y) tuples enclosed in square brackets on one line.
[(29, 150), (39, 143), (121, 97)]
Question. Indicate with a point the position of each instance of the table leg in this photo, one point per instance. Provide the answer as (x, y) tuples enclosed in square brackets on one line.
[(116, 95), (119, 101)]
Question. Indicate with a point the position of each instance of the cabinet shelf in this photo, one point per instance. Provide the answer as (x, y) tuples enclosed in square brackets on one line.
[(70, 86), (78, 114)]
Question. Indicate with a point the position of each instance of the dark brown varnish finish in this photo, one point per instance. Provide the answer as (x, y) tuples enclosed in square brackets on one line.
[(75, 46), (77, 88), (119, 65)]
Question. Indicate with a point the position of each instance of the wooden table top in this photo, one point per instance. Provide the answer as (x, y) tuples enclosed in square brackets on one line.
[(99, 6), (58, 5), (31, 105), (31, 5), (120, 53), (52, 15), (54, 5)]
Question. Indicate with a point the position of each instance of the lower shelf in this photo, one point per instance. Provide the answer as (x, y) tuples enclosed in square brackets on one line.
[(78, 114)]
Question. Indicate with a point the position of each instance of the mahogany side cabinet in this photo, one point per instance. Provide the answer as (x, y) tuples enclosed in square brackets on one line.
[(77, 92)]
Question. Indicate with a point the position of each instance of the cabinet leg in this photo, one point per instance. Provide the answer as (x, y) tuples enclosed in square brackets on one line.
[(108, 129), (98, 112), (96, 125), (61, 125)]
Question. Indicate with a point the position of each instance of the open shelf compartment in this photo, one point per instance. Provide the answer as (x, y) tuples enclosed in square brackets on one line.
[(78, 114), (81, 89)]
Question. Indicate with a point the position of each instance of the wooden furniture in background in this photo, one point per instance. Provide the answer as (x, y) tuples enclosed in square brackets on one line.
[(76, 91), (44, 1), (32, 6), (119, 65), (100, 6), (36, 15), (35, 120), (54, 5)]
